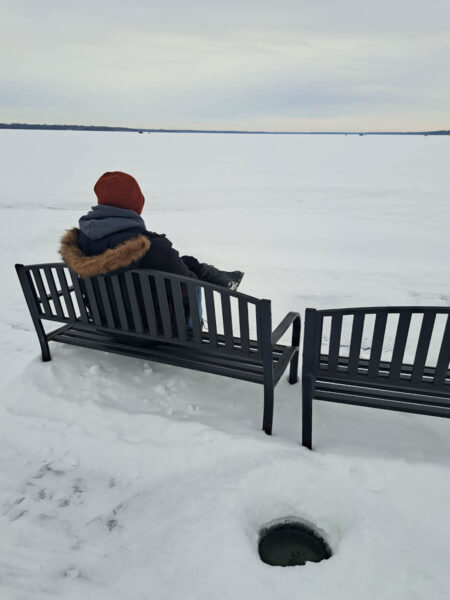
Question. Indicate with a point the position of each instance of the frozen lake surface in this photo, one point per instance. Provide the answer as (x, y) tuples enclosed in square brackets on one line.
[(124, 479)]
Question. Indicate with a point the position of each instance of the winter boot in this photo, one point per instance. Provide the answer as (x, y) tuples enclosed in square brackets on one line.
[(228, 279)]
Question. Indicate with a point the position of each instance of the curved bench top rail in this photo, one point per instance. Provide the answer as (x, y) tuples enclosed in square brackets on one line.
[(164, 274), (381, 309)]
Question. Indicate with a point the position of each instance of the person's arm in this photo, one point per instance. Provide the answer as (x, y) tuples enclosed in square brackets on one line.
[(163, 257)]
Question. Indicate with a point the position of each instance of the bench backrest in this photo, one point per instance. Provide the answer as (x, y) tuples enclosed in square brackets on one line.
[(395, 347), (147, 304)]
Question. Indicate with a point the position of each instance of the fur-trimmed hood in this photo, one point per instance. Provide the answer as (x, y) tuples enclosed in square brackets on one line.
[(120, 257)]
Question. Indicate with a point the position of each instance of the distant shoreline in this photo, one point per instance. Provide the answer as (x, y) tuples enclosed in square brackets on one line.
[(228, 131)]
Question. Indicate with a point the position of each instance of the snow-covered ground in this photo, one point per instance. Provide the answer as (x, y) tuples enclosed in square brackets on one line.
[(129, 480)]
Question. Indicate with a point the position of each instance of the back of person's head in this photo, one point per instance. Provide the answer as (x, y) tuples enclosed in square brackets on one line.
[(121, 190)]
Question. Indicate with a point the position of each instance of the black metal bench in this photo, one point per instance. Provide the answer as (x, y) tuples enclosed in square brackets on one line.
[(147, 306), (348, 378)]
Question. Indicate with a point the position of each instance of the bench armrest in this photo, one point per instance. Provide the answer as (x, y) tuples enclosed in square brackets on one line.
[(290, 318)]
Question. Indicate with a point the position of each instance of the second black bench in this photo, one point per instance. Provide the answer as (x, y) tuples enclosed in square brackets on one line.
[(335, 373)]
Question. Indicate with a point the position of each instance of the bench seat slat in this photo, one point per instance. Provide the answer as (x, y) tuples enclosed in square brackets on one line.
[(325, 387), (253, 357), (382, 382), (385, 366), (386, 403), (159, 346), (207, 363)]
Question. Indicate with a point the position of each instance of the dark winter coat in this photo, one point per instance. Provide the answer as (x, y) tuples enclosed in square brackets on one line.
[(112, 240)]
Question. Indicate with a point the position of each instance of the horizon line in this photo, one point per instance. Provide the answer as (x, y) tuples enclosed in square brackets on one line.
[(16, 125)]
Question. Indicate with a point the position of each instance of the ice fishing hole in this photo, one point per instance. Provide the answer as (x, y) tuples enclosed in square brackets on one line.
[(291, 543)]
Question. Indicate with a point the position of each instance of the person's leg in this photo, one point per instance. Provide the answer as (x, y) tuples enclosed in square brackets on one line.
[(210, 274), (198, 291), (192, 264)]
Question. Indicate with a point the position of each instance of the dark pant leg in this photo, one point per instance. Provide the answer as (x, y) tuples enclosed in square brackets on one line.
[(193, 265)]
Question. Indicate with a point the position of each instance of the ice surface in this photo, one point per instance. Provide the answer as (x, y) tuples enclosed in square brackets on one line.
[(122, 479)]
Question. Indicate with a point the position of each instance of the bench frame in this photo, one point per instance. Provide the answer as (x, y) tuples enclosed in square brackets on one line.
[(392, 385), (262, 360)]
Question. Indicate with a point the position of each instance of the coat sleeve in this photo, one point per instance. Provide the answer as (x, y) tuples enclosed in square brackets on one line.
[(163, 257)]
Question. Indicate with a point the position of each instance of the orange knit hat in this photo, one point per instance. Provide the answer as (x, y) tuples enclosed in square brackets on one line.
[(119, 189)]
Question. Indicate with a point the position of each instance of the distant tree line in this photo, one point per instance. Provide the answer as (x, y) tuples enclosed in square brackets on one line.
[(64, 127), (141, 130)]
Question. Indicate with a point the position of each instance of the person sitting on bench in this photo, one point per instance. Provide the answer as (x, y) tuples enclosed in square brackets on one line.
[(112, 237)]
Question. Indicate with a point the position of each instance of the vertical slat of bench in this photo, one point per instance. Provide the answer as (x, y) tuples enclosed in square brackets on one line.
[(193, 307), (148, 303), (93, 301), (318, 332), (53, 292), (135, 310), (163, 306), (335, 343), (118, 294), (179, 309), (377, 344), (355, 343), (243, 325), (227, 321), (66, 293), (104, 296), (45, 306), (426, 331), (443, 358), (259, 331), (398, 352), (211, 317), (29, 290), (79, 297)]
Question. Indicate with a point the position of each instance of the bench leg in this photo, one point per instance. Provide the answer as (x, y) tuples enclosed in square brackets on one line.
[(45, 350), (46, 356), (268, 407), (307, 398), (293, 371), (31, 300)]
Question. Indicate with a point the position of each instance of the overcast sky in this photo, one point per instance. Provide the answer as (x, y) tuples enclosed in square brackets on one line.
[(312, 65)]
